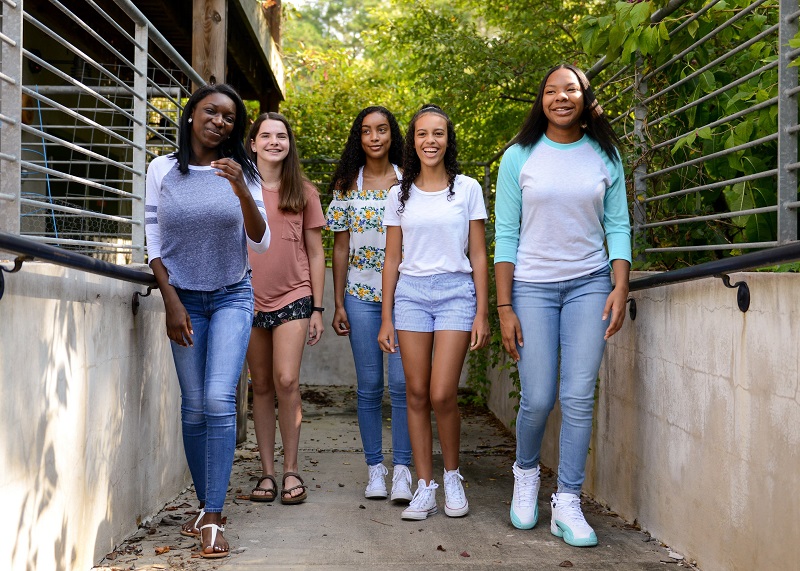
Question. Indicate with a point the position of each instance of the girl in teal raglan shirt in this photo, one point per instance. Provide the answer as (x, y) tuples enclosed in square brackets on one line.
[(560, 197)]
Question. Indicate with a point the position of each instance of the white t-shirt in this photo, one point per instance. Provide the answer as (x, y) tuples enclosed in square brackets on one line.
[(435, 229)]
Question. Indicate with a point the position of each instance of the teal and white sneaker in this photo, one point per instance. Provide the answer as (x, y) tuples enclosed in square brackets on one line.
[(524, 503), (568, 521)]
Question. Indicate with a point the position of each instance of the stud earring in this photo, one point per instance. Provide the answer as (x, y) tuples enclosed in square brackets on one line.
[(190, 119)]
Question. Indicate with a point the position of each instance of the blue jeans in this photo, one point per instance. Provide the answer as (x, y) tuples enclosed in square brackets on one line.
[(365, 321), (563, 317), (208, 373)]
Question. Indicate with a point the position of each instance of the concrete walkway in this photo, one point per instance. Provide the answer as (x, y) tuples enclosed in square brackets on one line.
[(337, 528)]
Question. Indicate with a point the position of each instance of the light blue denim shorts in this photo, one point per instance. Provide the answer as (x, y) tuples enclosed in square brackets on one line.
[(441, 302)]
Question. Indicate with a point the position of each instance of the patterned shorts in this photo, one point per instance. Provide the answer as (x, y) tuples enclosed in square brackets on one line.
[(300, 309)]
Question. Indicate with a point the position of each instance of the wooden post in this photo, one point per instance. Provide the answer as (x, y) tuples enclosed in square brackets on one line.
[(209, 39)]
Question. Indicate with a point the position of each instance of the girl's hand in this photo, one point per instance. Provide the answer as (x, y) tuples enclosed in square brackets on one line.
[(386, 337), (231, 170), (315, 328), (615, 305), (340, 323), (511, 331), (179, 324), (480, 333)]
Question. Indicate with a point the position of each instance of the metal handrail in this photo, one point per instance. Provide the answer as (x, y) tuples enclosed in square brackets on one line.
[(720, 269), (30, 250)]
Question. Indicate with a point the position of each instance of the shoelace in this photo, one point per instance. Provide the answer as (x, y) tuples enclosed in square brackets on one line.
[(376, 472), (451, 485), (571, 510), (401, 475), (421, 495), (525, 497)]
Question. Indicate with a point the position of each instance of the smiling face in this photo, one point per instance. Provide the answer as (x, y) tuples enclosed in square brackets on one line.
[(271, 143), (376, 135), (562, 102), (430, 138), (213, 119)]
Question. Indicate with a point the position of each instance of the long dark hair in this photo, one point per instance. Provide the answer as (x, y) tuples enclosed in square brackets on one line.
[(593, 122), (412, 164), (232, 147), (291, 196), (353, 156)]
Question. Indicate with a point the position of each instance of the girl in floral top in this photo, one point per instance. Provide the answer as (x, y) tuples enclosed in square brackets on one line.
[(367, 169)]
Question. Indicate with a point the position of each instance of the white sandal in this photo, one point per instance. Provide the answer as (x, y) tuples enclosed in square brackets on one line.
[(215, 554), (194, 526)]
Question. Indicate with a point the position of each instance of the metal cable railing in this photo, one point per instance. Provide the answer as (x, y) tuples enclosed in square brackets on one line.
[(96, 107), (707, 125)]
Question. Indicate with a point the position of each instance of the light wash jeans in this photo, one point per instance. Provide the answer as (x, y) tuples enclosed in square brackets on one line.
[(208, 373), (365, 322), (565, 316)]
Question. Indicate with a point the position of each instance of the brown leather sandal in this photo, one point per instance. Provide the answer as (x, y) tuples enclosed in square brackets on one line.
[(284, 490), (268, 495)]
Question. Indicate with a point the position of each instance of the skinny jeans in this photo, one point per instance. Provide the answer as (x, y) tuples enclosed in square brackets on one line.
[(208, 372), (365, 322), (561, 321)]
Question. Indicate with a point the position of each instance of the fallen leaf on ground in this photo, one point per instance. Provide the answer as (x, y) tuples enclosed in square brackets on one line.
[(464, 554), (243, 497), (565, 564), (440, 548), (162, 550)]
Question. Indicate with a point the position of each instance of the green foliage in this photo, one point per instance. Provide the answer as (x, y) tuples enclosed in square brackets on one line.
[(628, 34), (481, 61)]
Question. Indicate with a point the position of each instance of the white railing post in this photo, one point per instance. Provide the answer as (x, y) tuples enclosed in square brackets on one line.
[(787, 121), (641, 145), (140, 142), (10, 114)]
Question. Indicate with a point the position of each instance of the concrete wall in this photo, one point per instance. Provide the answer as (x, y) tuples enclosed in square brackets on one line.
[(697, 432), (697, 426), (90, 440)]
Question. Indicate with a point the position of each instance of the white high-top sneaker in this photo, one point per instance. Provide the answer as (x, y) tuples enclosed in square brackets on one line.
[(568, 521), (401, 484), (376, 487), (423, 503), (455, 501), (524, 503)]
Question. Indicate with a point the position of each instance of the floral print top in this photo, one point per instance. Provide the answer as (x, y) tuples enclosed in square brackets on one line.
[(360, 212)]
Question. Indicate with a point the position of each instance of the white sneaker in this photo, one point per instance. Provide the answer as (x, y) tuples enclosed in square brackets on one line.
[(568, 521), (401, 484), (455, 502), (376, 488), (524, 503), (423, 503)]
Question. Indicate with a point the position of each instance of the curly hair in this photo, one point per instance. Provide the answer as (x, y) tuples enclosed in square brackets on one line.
[(291, 196), (353, 156), (593, 122), (412, 164), (232, 147)]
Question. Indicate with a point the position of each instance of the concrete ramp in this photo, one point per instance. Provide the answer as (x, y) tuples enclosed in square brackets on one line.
[(337, 528)]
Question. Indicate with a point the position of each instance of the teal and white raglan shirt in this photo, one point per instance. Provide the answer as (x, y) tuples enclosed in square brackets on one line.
[(556, 206)]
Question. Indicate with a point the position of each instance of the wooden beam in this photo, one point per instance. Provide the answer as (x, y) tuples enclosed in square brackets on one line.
[(209, 39)]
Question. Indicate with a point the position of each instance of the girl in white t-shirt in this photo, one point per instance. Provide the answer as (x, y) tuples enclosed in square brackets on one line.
[(435, 280)]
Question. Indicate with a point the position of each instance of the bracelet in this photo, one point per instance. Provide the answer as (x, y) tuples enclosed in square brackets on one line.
[(504, 305), (320, 309)]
